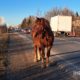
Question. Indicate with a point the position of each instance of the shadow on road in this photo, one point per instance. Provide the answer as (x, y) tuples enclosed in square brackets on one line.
[(35, 72), (71, 52)]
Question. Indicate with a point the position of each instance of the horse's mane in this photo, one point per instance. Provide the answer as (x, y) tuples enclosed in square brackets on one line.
[(41, 23), (41, 26)]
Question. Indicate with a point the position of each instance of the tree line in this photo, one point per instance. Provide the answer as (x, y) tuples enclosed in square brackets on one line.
[(27, 22), (60, 11)]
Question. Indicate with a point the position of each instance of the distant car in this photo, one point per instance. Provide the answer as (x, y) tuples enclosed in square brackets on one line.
[(17, 30), (23, 31), (26, 31)]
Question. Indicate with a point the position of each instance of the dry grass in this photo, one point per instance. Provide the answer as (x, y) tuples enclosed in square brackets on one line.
[(3, 47), (3, 40)]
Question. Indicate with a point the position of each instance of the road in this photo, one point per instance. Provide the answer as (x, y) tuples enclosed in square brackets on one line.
[(65, 52)]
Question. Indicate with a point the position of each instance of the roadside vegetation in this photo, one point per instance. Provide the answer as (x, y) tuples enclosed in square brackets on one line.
[(4, 37), (28, 22), (66, 12)]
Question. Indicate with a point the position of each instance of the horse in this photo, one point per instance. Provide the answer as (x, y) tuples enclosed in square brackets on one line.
[(43, 39)]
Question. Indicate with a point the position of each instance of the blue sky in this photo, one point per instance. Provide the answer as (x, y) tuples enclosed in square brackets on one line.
[(14, 11)]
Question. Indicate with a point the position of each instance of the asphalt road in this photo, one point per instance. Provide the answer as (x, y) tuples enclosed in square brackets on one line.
[(65, 53)]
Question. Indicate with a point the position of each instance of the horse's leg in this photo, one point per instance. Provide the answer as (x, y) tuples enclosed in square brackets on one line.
[(38, 55), (35, 53), (47, 56), (42, 57)]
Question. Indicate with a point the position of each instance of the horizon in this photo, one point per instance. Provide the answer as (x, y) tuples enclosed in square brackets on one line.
[(14, 11)]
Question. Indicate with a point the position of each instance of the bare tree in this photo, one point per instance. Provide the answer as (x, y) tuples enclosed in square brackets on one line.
[(67, 12), (51, 13), (58, 11)]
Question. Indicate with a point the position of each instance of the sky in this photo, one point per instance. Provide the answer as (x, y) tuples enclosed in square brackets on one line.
[(14, 11)]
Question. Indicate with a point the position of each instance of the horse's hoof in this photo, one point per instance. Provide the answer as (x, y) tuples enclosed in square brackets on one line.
[(35, 60), (39, 59), (43, 66), (47, 65)]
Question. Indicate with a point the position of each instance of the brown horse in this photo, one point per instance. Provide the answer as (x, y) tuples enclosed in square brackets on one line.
[(42, 39)]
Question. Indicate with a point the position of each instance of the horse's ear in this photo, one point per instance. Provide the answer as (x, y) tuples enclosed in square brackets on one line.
[(37, 18)]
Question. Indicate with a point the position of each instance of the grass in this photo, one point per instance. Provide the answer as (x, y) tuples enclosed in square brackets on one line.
[(3, 46)]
